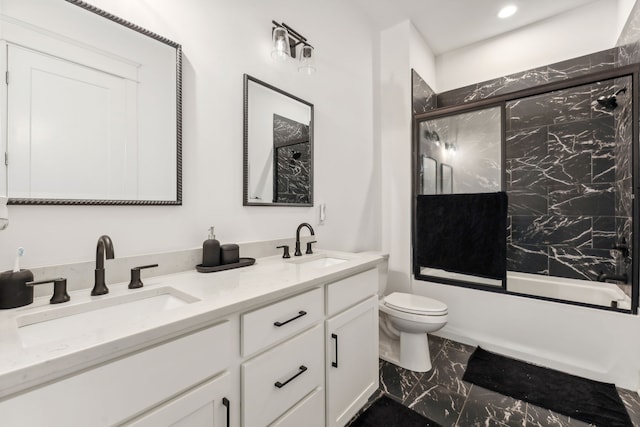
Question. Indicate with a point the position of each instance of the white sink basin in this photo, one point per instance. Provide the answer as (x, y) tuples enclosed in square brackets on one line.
[(100, 315), (319, 262)]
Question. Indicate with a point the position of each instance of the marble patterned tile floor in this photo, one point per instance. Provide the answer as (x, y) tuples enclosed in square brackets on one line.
[(442, 396)]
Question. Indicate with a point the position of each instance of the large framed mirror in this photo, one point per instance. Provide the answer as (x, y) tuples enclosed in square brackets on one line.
[(278, 147), (93, 112)]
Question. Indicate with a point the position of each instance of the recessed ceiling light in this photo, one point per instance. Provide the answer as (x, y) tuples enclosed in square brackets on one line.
[(507, 11)]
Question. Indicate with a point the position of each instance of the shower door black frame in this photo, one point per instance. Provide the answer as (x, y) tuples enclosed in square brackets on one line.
[(501, 101)]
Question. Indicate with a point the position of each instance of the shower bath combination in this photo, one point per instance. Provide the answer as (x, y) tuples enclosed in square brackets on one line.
[(610, 102)]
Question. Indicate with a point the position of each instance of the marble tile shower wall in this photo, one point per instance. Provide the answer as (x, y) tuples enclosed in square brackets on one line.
[(575, 67), (423, 98), (293, 161), (565, 182), (577, 244)]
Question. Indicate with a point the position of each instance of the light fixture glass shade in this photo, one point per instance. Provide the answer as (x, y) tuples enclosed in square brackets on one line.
[(307, 62), (281, 48)]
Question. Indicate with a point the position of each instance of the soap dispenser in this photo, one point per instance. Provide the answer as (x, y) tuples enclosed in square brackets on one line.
[(211, 251)]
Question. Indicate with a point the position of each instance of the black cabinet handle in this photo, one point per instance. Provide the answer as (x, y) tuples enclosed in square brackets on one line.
[(300, 314), (335, 337), (280, 385), (226, 403)]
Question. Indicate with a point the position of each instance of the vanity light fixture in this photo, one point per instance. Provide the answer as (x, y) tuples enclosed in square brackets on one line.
[(307, 62), (285, 45), (281, 44), (507, 11)]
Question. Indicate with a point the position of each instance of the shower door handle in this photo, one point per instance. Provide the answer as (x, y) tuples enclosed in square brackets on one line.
[(335, 337)]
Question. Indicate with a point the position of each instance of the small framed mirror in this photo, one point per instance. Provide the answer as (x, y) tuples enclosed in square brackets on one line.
[(429, 178), (278, 147), (446, 182)]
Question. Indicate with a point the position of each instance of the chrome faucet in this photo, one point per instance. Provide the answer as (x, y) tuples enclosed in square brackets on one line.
[(104, 244), (304, 224)]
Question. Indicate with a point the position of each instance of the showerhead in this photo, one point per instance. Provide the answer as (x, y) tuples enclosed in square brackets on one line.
[(610, 102)]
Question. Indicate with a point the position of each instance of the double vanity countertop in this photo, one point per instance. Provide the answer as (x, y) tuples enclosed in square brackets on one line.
[(43, 342)]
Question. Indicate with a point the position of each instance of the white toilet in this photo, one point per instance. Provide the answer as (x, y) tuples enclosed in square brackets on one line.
[(405, 320)]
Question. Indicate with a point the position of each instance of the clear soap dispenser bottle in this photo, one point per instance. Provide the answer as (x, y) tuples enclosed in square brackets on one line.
[(211, 251)]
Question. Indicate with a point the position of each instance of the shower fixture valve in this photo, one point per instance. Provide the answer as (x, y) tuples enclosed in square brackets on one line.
[(622, 247)]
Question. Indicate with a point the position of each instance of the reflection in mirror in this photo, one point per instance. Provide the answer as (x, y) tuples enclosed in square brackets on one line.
[(278, 147), (429, 175), (447, 179), (292, 161), (469, 143), (93, 107)]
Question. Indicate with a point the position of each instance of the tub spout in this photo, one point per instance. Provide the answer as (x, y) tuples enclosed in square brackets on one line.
[(603, 277)]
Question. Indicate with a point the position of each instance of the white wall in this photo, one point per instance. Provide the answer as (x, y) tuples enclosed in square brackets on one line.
[(221, 41), (401, 48), (581, 31), (624, 9), (422, 58)]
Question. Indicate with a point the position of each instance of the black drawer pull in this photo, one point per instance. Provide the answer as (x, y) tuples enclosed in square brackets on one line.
[(335, 364), (280, 385), (226, 403), (300, 314)]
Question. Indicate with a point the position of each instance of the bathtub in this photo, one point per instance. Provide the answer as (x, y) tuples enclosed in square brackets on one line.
[(595, 293), (584, 291)]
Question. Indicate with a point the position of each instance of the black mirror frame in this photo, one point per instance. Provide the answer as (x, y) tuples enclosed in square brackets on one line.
[(178, 199), (245, 152)]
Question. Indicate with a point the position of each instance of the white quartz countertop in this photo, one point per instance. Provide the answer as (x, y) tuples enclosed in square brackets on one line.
[(210, 297)]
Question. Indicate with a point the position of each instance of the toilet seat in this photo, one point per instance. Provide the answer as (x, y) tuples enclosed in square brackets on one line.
[(415, 304)]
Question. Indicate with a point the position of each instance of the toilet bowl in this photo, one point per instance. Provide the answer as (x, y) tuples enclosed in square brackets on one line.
[(408, 318), (405, 320)]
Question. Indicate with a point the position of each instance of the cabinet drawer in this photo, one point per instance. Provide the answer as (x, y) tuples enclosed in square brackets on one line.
[(205, 406), (118, 390), (276, 322), (350, 291), (274, 381), (309, 412)]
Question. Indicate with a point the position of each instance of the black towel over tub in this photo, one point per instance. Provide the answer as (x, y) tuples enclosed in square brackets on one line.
[(463, 233)]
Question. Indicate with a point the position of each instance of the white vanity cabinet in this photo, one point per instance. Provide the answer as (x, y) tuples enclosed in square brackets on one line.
[(351, 345), (303, 358), (118, 391), (279, 385)]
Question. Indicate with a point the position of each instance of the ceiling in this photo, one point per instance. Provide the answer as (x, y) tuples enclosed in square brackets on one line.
[(450, 24)]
